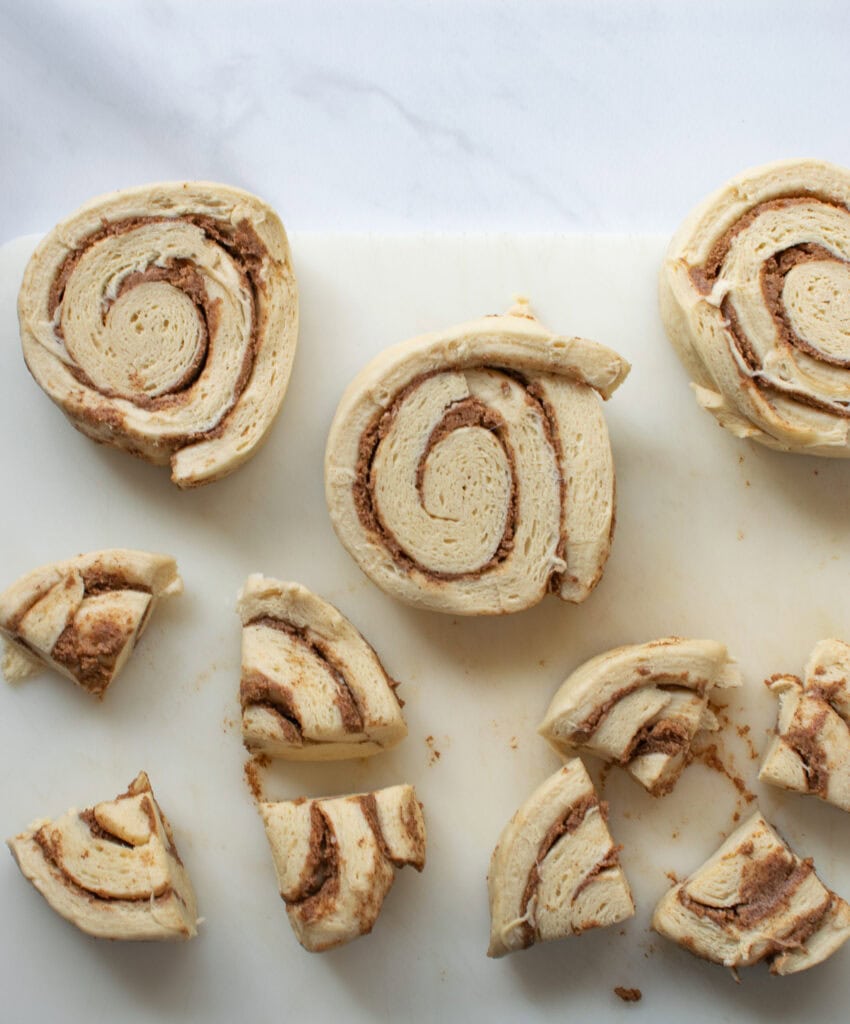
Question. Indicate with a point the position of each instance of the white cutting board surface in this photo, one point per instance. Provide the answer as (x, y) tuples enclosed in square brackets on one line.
[(715, 538)]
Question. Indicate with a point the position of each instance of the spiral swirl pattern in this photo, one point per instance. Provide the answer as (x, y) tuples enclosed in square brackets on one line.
[(163, 321), (755, 296), (470, 471)]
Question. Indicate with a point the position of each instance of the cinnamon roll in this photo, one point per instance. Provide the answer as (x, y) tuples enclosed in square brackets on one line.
[(810, 751), (755, 899), (555, 870), (469, 471), (336, 859), (312, 688), (112, 870), (163, 320), (755, 296), (84, 616), (641, 706)]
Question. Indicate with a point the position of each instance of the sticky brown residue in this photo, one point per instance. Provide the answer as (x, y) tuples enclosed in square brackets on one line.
[(628, 995)]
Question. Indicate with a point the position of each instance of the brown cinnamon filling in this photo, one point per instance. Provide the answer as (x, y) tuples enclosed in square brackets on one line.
[(91, 659), (257, 690), (772, 279), (805, 743), (768, 886), (344, 697), (247, 251), (369, 806), (569, 822), (465, 413), (320, 879)]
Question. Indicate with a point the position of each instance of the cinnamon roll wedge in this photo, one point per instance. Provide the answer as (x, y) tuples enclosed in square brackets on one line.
[(469, 471), (112, 870), (555, 870), (755, 297), (312, 688), (83, 617), (755, 899), (163, 320), (336, 859), (810, 752), (641, 706)]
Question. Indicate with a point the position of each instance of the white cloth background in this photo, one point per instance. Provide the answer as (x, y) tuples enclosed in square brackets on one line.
[(389, 115)]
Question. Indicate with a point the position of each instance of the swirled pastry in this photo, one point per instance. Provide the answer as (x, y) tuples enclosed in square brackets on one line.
[(163, 320), (112, 870), (336, 859), (83, 617), (755, 296), (641, 706), (469, 471), (555, 870), (755, 900), (312, 689), (810, 752)]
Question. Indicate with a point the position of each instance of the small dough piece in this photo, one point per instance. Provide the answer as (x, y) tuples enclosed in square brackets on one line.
[(162, 320), (755, 900), (336, 859), (112, 870), (810, 752), (555, 870), (641, 706), (469, 471), (755, 297), (312, 688), (83, 617)]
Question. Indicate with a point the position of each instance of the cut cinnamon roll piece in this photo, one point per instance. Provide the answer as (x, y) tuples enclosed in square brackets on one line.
[(755, 297), (555, 870), (312, 688), (84, 616), (641, 706), (163, 320), (336, 859), (755, 899), (112, 870), (810, 752), (469, 471)]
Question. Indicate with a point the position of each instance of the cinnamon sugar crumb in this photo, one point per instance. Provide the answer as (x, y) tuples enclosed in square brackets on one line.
[(435, 754), (252, 770), (514, 743), (628, 995)]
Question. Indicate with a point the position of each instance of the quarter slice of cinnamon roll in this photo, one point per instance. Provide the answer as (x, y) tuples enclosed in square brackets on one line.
[(755, 899), (755, 297), (469, 471), (112, 870), (163, 320), (83, 617), (555, 870), (336, 859), (810, 751), (312, 688), (641, 706)]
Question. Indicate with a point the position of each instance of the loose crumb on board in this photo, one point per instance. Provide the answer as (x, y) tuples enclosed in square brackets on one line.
[(514, 743), (744, 732), (628, 995), (672, 876), (709, 755), (252, 770), (435, 754)]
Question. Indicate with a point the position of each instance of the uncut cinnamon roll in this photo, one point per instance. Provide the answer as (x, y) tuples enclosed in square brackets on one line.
[(163, 320), (755, 297), (469, 471), (113, 869)]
